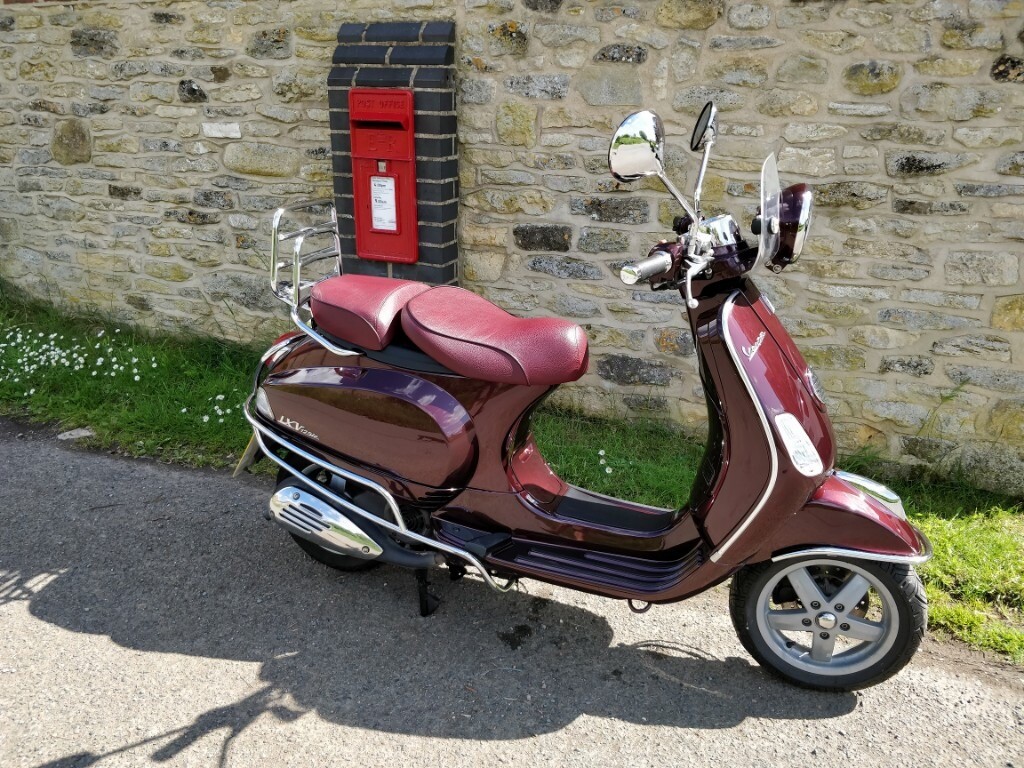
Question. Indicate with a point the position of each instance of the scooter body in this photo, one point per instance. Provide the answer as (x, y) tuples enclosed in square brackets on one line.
[(389, 453)]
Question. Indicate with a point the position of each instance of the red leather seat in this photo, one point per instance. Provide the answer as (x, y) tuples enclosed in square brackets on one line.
[(475, 338), (362, 309)]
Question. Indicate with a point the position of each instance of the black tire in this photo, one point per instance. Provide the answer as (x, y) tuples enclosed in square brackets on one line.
[(901, 604), (331, 559)]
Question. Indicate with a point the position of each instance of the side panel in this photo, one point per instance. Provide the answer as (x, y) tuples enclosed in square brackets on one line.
[(385, 418)]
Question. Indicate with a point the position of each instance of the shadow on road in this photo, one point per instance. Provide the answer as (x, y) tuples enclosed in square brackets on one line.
[(190, 569)]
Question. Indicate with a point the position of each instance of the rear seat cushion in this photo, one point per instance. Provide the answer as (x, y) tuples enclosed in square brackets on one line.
[(362, 309)]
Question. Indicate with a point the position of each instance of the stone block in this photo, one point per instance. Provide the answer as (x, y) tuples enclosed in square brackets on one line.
[(628, 210), (516, 124), (1008, 313), (749, 16), (259, 159), (626, 370), (835, 357), (872, 78), (880, 337), (689, 14), (609, 86), (999, 379), (982, 268), (543, 237), (982, 346), (915, 365)]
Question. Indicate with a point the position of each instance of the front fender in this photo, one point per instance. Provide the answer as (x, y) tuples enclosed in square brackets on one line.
[(849, 516)]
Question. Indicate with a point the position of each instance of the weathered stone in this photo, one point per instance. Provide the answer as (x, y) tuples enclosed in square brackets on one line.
[(260, 159), (693, 99), (674, 341), (749, 16), (1011, 165), (574, 306), (984, 346), (871, 78), (645, 403), (1008, 313), (174, 273), (856, 194), (980, 268), (619, 210), (508, 38), (904, 133), (850, 109), (689, 14), (834, 42), (94, 42), (566, 267), (194, 218), (779, 103), (941, 298), (476, 91), (866, 18), (988, 190), (206, 198), (623, 369), (1006, 420), (938, 66), (903, 414), (812, 162), (543, 237), (941, 101), (122, 192), (802, 16), (802, 69), (190, 92), (609, 86), (880, 337), (989, 137), (539, 86), (300, 85), (915, 365), (600, 240), (804, 133), (482, 266), (998, 379), (516, 124), (909, 164), (1008, 69), (835, 357), (622, 54), (529, 201), (965, 34), (923, 320), (746, 71), (743, 43), (559, 35), (544, 6), (72, 142), (909, 38)]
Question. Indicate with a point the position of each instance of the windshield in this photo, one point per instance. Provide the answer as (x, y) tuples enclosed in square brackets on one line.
[(768, 244)]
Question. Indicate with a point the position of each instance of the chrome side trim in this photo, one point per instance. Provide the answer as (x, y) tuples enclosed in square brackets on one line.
[(726, 314), (858, 555), (880, 493), (263, 433)]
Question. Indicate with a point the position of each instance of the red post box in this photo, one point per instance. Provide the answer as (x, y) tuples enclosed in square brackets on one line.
[(384, 174)]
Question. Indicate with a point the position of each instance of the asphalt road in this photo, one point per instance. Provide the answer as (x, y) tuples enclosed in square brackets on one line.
[(150, 615)]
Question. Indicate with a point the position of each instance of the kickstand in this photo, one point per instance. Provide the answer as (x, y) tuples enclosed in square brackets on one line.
[(428, 602)]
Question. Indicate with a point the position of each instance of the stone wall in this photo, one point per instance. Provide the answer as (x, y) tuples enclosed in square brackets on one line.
[(144, 145)]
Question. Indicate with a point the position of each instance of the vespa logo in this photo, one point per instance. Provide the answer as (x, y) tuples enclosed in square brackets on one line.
[(294, 425), (752, 349)]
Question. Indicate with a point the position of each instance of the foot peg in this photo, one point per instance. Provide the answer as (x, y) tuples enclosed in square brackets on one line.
[(428, 601)]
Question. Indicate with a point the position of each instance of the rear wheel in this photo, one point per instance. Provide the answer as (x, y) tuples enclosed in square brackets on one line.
[(829, 623)]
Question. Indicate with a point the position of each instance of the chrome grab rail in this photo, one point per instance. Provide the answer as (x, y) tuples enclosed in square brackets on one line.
[(261, 432), (292, 293)]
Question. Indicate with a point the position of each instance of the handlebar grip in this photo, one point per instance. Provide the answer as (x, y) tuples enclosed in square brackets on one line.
[(660, 261)]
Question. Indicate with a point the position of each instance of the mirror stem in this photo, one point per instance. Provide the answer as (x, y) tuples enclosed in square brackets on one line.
[(679, 198), (709, 142)]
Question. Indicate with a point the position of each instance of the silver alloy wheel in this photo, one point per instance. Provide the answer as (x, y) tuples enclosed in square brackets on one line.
[(838, 619)]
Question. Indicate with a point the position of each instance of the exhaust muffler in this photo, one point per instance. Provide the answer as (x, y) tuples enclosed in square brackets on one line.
[(312, 518)]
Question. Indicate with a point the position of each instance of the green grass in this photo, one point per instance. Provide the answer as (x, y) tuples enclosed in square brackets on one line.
[(184, 407), (174, 398)]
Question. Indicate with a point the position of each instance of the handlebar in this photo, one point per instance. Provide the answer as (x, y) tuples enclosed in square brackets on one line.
[(655, 264)]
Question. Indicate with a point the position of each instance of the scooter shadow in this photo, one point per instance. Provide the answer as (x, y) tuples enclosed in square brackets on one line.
[(227, 585)]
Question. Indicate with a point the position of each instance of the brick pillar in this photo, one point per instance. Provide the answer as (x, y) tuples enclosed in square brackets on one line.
[(410, 55)]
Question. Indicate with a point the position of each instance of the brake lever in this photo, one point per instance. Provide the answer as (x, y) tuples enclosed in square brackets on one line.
[(699, 262)]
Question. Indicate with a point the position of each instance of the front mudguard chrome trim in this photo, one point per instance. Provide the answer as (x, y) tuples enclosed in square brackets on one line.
[(856, 554), (263, 434)]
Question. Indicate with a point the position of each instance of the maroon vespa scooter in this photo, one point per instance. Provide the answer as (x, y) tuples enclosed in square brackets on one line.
[(399, 415)]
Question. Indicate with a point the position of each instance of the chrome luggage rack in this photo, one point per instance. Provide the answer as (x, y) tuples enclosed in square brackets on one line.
[(296, 293)]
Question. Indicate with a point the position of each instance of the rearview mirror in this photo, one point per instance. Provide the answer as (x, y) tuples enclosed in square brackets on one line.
[(638, 147)]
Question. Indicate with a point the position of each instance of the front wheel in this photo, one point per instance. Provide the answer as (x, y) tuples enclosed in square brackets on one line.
[(828, 623)]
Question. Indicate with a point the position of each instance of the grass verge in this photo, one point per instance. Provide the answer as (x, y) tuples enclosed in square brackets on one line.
[(178, 399)]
